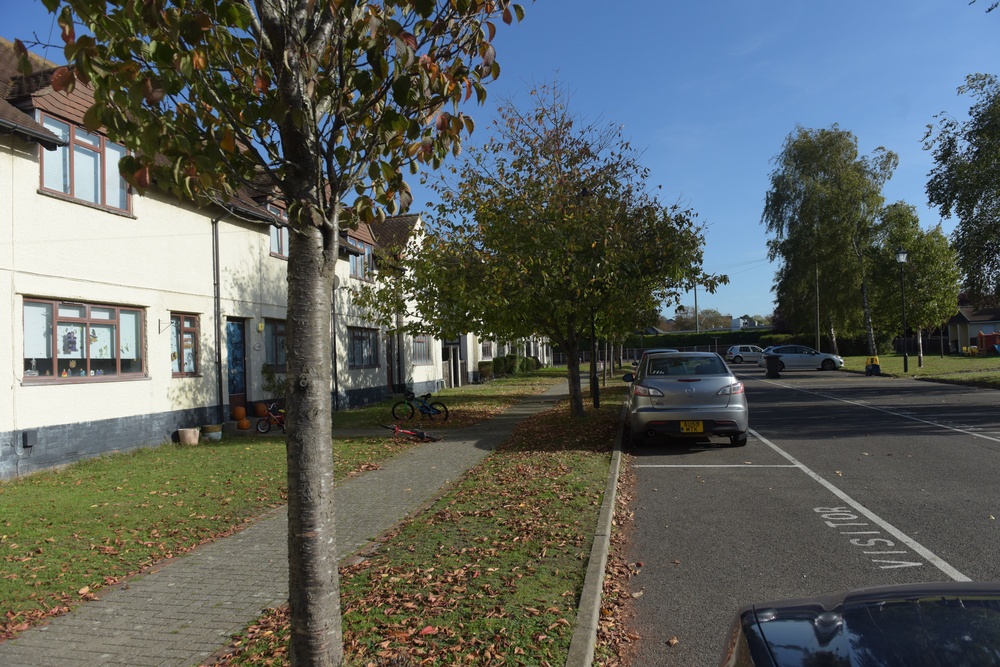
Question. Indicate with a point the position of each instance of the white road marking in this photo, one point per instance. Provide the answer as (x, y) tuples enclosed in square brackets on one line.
[(923, 551), (691, 465), (895, 413)]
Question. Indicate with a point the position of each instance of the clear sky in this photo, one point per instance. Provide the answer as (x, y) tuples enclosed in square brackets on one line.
[(710, 91)]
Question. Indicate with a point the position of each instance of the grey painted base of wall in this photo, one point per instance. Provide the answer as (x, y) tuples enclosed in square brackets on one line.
[(66, 443), (54, 446)]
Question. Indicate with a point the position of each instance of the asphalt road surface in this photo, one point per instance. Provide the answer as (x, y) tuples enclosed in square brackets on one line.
[(847, 481)]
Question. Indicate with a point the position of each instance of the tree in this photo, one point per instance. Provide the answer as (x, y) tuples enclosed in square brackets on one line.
[(708, 318), (931, 273), (322, 105), (547, 228), (824, 196), (963, 183)]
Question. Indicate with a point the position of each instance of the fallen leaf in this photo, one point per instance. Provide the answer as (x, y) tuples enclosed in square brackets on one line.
[(673, 641)]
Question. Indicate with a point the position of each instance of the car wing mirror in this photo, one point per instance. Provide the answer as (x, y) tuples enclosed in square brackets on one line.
[(628, 377)]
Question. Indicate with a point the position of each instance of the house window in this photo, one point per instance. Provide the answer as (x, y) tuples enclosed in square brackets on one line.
[(363, 349), (362, 265), (279, 233), (184, 344), (274, 344), (82, 341), (86, 168), (487, 349), (422, 354)]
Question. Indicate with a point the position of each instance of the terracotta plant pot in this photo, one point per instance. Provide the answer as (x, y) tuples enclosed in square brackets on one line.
[(187, 436)]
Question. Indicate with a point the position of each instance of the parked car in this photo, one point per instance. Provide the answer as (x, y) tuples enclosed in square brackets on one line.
[(737, 354), (652, 349), (793, 357), (949, 623), (685, 395)]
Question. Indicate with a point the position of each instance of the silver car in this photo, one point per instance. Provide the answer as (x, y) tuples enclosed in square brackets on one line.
[(685, 395), (793, 357), (737, 354)]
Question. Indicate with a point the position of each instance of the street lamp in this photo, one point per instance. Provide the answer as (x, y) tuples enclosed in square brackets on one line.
[(901, 260)]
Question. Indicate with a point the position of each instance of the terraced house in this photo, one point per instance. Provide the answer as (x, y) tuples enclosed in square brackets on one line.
[(128, 317)]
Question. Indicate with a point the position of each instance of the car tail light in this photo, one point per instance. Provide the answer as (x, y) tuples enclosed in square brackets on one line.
[(642, 390), (731, 390)]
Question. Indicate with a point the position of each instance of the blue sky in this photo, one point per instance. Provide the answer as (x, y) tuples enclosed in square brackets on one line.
[(710, 91)]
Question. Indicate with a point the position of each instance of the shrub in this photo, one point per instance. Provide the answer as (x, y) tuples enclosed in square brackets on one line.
[(485, 371)]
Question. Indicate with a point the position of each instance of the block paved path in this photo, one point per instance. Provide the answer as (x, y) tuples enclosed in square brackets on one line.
[(181, 612)]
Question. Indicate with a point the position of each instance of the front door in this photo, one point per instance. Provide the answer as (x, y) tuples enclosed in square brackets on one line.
[(237, 369)]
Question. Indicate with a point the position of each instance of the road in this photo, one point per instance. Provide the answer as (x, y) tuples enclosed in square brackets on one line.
[(847, 481)]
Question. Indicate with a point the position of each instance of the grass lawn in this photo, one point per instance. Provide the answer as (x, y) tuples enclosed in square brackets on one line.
[(492, 573), (982, 371), (66, 533), (466, 405)]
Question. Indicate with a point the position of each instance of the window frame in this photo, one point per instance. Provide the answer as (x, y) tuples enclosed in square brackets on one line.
[(275, 340), (80, 334), (363, 265), (279, 233), (486, 349), (362, 342), (423, 351), (178, 329), (68, 154)]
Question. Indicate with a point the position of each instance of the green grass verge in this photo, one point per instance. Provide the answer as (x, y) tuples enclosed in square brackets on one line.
[(980, 371), (467, 405), (66, 533), (492, 573)]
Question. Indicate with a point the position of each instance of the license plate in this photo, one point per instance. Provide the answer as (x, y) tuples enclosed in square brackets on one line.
[(692, 427)]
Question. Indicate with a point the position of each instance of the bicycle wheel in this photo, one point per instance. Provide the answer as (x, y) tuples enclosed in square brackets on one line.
[(402, 410), (263, 425), (442, 412)]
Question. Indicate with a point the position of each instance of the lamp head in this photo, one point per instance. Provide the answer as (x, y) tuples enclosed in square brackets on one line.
[(901, 255)]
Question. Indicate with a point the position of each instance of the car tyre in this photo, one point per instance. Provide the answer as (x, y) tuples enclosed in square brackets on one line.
[(737, 360), (781, 366), (828, 365), (739, 440)]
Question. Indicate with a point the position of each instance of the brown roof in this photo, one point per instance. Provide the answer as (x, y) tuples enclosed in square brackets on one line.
[(970, 315), (12, 88), (394, 232)]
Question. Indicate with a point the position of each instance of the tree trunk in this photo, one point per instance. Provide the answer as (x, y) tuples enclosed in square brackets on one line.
[(832, 333), (869, 330), (313, 585), (920, 347), (573, 375), (595, 386)]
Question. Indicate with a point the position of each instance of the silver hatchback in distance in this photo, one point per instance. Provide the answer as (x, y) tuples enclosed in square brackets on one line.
[(685, 395)]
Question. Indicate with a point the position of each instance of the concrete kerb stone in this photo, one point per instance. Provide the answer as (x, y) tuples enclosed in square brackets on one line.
[(583, 643)]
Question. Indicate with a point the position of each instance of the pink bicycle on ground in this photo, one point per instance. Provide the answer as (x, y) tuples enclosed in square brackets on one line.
[(274, 416), (419, 436)]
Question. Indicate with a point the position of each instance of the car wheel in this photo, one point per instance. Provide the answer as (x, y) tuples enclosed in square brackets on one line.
[(828, 365), (737, 360), (739, 440), (781, 366)]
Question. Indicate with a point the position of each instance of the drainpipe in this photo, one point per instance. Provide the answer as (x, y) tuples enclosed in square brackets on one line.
[(217, 292)]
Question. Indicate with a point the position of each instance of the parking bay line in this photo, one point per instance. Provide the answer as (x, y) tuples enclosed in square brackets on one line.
[(915, 546)]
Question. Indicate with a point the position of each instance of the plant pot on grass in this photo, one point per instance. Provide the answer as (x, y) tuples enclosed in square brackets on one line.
[(187, 436), (212, 431)]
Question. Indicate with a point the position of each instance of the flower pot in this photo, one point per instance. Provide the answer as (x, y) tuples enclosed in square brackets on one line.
[(212, 431), (187, 436)]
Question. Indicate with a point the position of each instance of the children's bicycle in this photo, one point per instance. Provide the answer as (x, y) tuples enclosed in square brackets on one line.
[(419, 436), (411, 404), (274, 416)]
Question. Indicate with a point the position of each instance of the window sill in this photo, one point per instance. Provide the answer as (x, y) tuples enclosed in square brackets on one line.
[(41, 380), (61, 196)]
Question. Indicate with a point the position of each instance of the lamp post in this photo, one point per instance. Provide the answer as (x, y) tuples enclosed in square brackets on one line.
[(901, 260)]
